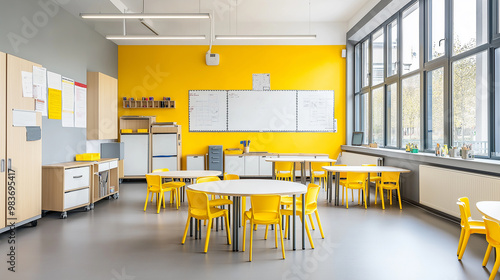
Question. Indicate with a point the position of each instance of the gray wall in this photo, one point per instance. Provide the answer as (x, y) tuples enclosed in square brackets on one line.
[(40, 31)]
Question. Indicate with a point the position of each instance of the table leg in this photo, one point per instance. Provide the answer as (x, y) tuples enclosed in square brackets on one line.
[(294, 213), (191, 227), (199, 228), (234, 223), (195, 228), (303, 222), (303, 173), (368, 191), (273, 171), (329, 186), (337, 183), (310, 173), (293, 172)]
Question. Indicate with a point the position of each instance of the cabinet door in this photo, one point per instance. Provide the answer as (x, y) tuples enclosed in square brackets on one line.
[(25, 156), (3, 88), (251, 165), (165, 162), (164, 144), (195, 163), (136, 155), (234, 165), (265, 167), (108, 107)]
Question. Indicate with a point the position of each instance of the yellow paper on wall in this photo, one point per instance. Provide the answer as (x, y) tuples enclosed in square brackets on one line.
[(55, 103)]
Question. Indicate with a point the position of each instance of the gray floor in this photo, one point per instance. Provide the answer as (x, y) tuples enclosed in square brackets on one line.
[(117, 240)]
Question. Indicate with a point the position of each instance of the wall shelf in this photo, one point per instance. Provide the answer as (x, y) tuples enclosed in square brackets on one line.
[(148, 104)]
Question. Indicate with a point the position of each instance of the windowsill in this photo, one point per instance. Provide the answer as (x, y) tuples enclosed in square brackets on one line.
[(481, 165)]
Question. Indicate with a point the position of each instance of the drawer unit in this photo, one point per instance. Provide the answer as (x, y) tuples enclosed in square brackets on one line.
[(76, 198), (103, 166), (195, 162), (75, 178), (113, 164), (215, 158)]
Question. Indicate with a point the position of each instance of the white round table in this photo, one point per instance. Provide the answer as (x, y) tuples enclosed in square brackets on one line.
[(355, 168), (249, 187), (302, 161), (490, 209)]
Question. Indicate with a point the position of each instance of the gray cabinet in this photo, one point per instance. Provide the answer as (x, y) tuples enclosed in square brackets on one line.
[(215, 160)]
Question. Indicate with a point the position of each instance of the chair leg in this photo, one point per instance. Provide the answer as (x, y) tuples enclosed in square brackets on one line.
[(487, 255), (311, 219), (158, 201), (390, 198), (382, 198), (307, 231), (267, 230), (399, 199), (286, 226), (186, 230), (276, 235), (208, 234), (146, 204), (319, 224), (364, 196), (495, 267), (346, 198), (282, 247), (460, 241), (343, 195), (352, 195), (251, 241), (164, 199), (243, 205), (376, 188), (244, 234), (464, 244)]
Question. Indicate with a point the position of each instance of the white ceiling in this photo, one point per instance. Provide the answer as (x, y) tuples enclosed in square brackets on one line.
[(231, 17)]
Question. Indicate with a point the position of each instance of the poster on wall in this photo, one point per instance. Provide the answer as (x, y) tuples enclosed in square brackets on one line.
[(54, 95), (39, 90), (80, 105), (68, 102)]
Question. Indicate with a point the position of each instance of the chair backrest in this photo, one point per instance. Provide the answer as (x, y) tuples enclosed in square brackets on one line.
[(207, 179), (231, 176), (390, 177), (198, 202), (356, 177), (465, 200), (371, 174), (312, 196), (153, 181), (161, 170), (343, 175), (263, 206), (283, 166), (317, 166), (492, 231), (464, 219)]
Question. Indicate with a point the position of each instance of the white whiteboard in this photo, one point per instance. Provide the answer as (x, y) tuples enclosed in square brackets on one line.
[(262, 110), (207, 110), (316, 110)]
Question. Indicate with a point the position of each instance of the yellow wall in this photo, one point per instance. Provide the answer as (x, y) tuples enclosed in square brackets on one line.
[(172, 71)]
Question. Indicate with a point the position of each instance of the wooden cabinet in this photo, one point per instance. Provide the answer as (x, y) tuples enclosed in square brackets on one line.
[(22, 156), (66, 186), (102, 106), (106, 179), (166, 146), (3, 96)]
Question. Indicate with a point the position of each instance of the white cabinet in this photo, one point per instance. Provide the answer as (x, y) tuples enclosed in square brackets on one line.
[(164, 144), (169, 162), (265, 167), (136, 158), (195, 162), (251, 165), (75, 178), (234, 165)]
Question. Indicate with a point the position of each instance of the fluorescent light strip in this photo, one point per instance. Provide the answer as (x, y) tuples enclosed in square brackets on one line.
[(265, 37), (145, 15), (141, 37)]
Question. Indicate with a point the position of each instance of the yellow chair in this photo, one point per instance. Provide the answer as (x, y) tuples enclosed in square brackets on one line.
[(374, 178), (389, 181), (342, 181), (199, 208), (355, 181), (156, 187), (311, 205), (493, 238), (468, 226), (214, 201), (172, 184), (283, 170), (317, 172), (265, 211), (243, 198)]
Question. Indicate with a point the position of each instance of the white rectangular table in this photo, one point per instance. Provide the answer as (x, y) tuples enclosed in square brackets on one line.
[(302, 161)]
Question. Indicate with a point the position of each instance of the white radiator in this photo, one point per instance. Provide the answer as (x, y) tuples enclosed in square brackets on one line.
[(358, 159), (440, 189)]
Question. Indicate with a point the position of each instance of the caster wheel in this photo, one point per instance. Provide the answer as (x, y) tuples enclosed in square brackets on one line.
[(116, 196), (87, 208), (121, 181), (64, 215), (44, 213), (92, 206), (34, 223)]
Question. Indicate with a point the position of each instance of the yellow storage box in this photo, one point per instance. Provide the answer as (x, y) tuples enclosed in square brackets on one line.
[(126, 130), (142, 130), (88, 157)]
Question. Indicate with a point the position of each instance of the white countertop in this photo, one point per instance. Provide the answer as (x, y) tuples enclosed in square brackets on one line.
[(249, 187)]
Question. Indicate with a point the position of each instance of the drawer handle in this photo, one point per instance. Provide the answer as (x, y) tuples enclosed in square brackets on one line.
[(2, 166), (79, 176), (215, 161)]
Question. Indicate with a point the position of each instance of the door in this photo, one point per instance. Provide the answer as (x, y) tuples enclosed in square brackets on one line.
[(23, 157), (108, 107), (136, 154), (234, 165), (169, 162), (3, 88), (251, 165), (164, 144)]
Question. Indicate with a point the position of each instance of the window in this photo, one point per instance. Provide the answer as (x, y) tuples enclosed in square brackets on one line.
[(470, 103), (392, 115), (364, 116), (469, 24), (392, 48), (497, 102), (364, 59), (357, 68), (435, 108), (410, 101), (436, 20), (378, 116), (378, 57), (410, 39)]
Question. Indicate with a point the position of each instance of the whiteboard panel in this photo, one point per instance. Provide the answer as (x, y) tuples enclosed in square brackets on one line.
[(262, 110), (207, 110), (316, 110)]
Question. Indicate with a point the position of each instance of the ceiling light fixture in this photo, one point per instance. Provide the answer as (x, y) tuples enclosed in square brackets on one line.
[(148, 15), (169, 37), (265, 37)]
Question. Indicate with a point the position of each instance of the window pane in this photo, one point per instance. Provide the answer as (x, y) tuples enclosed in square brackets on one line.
[(410, 100), (470, 103), (469, 24), (364, 117), (378, 57), (497, 102), (357, 112), (357, 68), (364, 60), (435, 107), (378, 116), (436, 29), (392, 115), (392, 52), (410, 40)]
